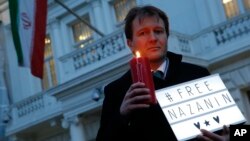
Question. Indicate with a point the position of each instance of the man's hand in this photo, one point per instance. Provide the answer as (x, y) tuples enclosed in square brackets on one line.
[(209, 136), (135, 99)]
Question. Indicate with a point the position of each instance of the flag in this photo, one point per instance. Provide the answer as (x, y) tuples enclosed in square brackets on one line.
[(28, 25)]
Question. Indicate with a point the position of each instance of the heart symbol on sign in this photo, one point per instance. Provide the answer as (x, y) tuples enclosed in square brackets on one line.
[(217, 119), (197, 125)]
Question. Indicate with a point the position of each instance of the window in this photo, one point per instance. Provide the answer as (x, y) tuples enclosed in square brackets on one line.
[(248, 95), (58, 137), (122, 7), (231, 8), (81, 32), (49, 73), (246, 4)]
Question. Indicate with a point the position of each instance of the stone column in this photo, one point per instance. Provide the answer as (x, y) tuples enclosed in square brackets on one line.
[(77, 132), (56, 36), (107, 13), (98, 16), (216, 11), (58, 47), (241, 6), (4, 100)]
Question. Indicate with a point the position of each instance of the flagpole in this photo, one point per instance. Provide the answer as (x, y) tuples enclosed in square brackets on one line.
[(80, 18)]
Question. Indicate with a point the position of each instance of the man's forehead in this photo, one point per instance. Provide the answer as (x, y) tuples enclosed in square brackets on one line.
[(140, 19)]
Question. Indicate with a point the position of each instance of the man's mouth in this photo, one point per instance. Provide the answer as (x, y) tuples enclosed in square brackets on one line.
[(153, 48)]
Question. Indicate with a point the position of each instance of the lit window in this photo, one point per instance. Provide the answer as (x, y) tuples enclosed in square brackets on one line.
[(49, 74), (246, 4), (122, 7), (81, 31), (231, 8)]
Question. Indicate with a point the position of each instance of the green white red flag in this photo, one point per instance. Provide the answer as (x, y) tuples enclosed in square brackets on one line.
[(28, 25)]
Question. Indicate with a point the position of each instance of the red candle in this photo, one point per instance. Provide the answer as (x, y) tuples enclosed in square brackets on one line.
[(141, 72)]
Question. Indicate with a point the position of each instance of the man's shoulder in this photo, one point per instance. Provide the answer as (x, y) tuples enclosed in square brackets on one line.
[(193, 66), (179, 65), (193, 70), (121, 82)]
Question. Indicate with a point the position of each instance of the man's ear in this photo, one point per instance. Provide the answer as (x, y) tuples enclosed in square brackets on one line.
[(130, 45)]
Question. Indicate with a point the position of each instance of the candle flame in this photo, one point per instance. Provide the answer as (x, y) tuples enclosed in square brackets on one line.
[(226, 1), (137, 54)]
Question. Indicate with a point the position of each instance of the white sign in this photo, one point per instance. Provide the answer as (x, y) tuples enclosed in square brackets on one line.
[(203, 103)]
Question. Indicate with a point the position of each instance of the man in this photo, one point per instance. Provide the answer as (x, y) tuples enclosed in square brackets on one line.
[(125, 115)]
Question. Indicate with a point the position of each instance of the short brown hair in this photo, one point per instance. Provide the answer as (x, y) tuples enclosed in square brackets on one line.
[(142, 12)]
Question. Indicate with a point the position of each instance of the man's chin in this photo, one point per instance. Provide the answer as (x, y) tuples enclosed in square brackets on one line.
[(155, 59), (156, 56)]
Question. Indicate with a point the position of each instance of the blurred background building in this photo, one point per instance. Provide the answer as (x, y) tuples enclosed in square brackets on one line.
[(79, 62)]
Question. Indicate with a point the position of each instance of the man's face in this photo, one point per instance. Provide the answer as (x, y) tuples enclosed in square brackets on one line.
[(149, 38)]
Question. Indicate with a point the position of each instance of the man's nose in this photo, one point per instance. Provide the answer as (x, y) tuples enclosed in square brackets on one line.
[(152, 36)]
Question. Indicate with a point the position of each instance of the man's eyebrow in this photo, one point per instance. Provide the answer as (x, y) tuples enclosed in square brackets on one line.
[(142, 29)]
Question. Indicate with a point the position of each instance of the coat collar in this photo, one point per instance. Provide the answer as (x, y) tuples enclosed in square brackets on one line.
[(174, 58)]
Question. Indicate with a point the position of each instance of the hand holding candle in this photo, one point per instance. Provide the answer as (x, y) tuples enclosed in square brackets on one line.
[(141, 72)]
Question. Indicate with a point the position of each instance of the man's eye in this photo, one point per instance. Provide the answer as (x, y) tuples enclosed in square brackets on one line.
[(158, 31), (141, 33)]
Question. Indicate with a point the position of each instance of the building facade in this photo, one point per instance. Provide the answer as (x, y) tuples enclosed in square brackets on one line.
[(79, 62)]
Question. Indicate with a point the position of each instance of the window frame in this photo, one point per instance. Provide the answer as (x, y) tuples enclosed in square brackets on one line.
[(228, 12), (75, 45), (246, 5), (118, 24)]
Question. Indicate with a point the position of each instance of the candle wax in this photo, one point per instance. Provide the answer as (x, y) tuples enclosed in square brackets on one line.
[(141, 72)]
